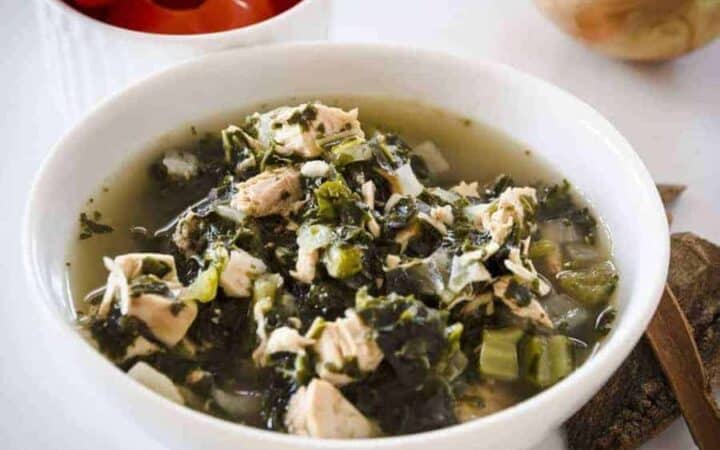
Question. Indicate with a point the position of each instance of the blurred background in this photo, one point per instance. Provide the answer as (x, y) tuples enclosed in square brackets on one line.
[(54, 70)]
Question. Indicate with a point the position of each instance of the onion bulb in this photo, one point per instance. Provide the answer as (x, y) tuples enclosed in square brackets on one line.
[(643, 30)]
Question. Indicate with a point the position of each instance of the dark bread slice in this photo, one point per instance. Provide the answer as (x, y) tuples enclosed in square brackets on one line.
[(637, 402)]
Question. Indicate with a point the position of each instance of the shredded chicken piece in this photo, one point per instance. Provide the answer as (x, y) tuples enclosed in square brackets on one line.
[(302, 130), (345, 339), (241, 268), (283, 339), (501, 215), (320, 410), (525, 270), (368, 191), (167, 319), (268, 193), (305, 268), (532, 311)]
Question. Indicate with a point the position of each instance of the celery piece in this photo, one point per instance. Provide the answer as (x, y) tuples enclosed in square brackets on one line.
[(536, 363), (592, 286), (561, 363), (498, 353), (342, 261), (328, 194)]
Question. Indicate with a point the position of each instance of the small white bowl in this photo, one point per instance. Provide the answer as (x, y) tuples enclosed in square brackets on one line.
[(572, 136), (91, 59), (307, 20)]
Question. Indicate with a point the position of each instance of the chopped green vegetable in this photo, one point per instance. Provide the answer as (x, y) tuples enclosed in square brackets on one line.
[(536, 364), (547, 360), (591, 286), (329, 195), (204, 288), (498, 354), (561, 363), (342, 261)]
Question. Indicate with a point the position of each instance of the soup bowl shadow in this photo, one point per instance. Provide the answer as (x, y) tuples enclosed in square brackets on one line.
[(565, 132)]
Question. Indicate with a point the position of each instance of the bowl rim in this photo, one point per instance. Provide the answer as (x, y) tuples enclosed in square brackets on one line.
[(215, 36), (611, 354)]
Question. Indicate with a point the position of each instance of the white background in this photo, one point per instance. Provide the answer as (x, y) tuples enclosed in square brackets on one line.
[(669, 112)]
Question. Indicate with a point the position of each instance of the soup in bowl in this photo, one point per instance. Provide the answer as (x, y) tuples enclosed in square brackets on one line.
[(403, 258)]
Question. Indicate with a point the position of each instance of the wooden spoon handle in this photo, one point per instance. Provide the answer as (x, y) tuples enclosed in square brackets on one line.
[(671, 339)]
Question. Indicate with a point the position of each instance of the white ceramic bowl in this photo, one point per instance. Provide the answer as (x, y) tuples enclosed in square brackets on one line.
[(571, 135)]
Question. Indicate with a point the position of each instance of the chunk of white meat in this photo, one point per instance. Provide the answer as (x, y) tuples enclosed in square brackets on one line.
[(320, 410), (500, 216), (156, 381), (239, 272), (180, 165), (466, 189), (167, 319), (315, 169), (533, 311), (310, 239), (306, 265), (343, 340), (268, 193), (302, 130), (284, 339)]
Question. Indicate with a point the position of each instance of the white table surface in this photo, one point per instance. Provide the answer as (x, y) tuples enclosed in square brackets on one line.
[(669, 112)]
